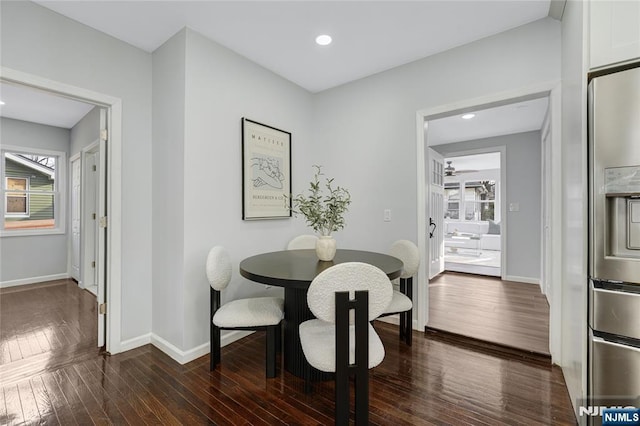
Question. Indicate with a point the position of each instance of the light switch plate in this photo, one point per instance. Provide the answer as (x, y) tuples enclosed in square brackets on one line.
[(514, 207)]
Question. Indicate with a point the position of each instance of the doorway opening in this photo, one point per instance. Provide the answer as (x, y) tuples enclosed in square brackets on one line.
[(106, 112), (472, 214), (465, 200)]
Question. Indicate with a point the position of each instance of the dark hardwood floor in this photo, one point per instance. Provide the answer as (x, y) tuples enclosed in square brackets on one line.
[(436, 381), (43, 326), (486, 308)]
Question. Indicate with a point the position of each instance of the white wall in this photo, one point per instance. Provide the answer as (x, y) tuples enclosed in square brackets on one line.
[(523, 185), (168, 189), (38, 41), (574, 208), (85, 132), (32, 257), (365, 131), (221, 88)]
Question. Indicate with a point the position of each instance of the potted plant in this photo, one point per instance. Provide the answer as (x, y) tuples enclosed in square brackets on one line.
[(323, 208)]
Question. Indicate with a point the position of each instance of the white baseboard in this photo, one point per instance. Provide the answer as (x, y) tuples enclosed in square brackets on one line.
[(526, 280), (136, 342), (183, 357), (33, 280)]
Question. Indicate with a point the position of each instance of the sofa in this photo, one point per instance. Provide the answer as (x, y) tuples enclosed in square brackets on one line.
[(488, 231)]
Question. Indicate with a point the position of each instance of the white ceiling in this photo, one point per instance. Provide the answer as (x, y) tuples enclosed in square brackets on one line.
[(23, 103), (503, 120), (369, 36), (489, 161)]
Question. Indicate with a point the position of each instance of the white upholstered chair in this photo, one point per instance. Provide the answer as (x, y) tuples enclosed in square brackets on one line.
[(258, 313), (402, 301), (306, 241), (340, 342)]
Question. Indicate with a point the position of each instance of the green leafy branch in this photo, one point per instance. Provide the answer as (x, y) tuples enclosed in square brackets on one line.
[(323, 212)]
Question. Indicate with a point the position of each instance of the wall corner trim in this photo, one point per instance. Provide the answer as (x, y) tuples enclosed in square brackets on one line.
[(136, 342), (184, 357), (526, 280)]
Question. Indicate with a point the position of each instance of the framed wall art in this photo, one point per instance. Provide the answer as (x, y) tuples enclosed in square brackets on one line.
[(266, 171)]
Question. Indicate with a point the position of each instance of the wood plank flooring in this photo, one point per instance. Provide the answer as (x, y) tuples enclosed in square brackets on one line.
[(486, 308), (45, 325), (434, 382)]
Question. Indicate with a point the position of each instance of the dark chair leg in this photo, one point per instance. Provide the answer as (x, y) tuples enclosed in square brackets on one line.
[(342, 355), (409, 332), (409, 313), (308, 386), (214, 331), (272, 332), (342, 396), (403, 317), (362, 396), (279, 338), (215, 347)]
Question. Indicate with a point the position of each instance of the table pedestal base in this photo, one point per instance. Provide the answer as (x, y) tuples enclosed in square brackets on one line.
[(296, 312)]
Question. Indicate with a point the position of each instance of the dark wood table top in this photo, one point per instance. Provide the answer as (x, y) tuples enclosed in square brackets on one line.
[(297, 268)]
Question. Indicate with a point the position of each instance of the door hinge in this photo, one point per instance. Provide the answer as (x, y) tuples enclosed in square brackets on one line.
[(102, 309), (93, 215), (103, 222), (103, 134), (93, 264), (94, 168)]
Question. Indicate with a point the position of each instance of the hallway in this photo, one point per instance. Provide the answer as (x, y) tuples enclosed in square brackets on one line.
[(489, 309)]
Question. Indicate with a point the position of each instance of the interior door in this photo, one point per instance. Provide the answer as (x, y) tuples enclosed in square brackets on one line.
[(546, 215), (76, 175), (101, 231), (435, 207), (89, 214)]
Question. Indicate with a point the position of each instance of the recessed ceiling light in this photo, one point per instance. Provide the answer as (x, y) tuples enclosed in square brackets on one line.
[(468, 116), (1, 103), (323, 40)]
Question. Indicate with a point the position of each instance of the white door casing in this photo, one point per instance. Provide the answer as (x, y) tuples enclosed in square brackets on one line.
[(95, 217), (101, 240), (545, 267), (435, 207), (76, 179)]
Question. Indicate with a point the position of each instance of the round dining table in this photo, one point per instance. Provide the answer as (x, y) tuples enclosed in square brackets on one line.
[(294, 270)]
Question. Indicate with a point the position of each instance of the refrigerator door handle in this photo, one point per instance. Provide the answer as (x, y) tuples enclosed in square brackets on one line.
[(600, 340)]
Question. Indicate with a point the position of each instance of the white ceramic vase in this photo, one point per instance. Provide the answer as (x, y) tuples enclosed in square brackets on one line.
[(326, 247)]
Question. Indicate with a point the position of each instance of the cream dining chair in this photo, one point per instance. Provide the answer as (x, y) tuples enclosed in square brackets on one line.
[(340, 342), (402, 302), (306, 241), (258, 313)]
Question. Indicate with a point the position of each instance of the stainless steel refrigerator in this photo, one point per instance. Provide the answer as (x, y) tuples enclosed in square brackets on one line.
[(614, 240)]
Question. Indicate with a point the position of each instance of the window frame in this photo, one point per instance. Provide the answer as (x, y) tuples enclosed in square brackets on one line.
[(463, 201), (8, 193), (58, 193)]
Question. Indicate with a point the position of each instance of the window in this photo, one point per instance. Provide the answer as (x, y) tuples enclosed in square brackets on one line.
[(478, 203), (32, 191), (452, 200), (17, 202)]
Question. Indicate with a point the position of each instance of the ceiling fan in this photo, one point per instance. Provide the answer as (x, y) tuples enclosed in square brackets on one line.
[(451, 171)]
